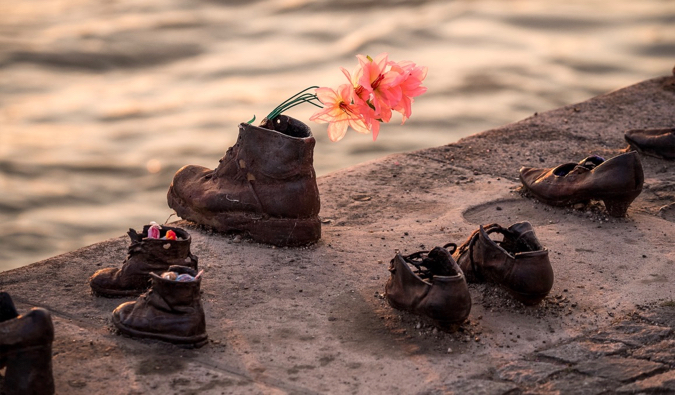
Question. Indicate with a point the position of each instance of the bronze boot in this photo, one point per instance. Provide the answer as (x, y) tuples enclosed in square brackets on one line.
[(518, 262), (617, 182), (146, 256), (170, 310), (659, 143), (435, 289), (265, 186), (25, 349)]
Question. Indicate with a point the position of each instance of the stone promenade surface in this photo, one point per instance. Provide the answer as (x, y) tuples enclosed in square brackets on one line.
[(313, 320)]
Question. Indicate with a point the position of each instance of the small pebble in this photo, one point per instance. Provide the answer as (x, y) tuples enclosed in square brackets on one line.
[(184, 277), (153, 231), (169, 275)]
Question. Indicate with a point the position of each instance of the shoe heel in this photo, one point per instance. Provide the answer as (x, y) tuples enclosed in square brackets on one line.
[(618, 207)]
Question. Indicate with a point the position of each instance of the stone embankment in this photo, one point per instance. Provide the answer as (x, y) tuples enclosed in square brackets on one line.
[(313, 320)]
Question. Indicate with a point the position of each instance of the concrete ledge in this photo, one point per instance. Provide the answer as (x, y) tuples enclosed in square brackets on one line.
[(313, 320)]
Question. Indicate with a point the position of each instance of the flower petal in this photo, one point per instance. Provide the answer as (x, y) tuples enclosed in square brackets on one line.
[(337, 130)]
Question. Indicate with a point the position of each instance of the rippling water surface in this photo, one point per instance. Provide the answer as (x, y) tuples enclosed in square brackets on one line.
[(101, 102)]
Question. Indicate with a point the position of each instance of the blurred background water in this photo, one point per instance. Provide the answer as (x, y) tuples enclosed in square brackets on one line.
[(101, 102)]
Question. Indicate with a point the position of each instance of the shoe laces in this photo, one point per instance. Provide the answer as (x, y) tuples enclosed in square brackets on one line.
[(427, 268)]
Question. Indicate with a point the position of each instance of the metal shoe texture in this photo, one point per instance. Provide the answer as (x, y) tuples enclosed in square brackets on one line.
[(170, 311), (659, 143), (146, 256), (435, 289), (518, 262), (264, 186), (25, 349), (617, 182)]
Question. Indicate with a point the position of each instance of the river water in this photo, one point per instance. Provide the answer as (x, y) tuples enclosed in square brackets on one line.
[(101, 102)]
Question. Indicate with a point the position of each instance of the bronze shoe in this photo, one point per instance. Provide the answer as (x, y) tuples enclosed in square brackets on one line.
[(518, 262), (659, 143), (25, 349), (617, 182), (146, 256), (264, 187), (436, 289), (170, 311)]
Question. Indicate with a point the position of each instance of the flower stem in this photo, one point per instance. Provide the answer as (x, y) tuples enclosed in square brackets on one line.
[(298, 98)]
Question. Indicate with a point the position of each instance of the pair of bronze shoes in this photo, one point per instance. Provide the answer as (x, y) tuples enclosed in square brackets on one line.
[(437, 286), (167, 309)]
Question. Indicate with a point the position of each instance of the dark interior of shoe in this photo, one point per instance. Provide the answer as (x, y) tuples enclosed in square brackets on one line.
[(564, 169), (514, 244), (592, 161), (7, 309), (435, 263), (286, 125)]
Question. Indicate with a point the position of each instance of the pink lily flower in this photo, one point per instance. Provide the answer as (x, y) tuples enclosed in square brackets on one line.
[(409, 81), (339, 112), (379, 85)]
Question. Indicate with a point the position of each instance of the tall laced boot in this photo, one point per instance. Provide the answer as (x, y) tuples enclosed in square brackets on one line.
[(26, 349), (171, 311), (265, 186), (146, 255)]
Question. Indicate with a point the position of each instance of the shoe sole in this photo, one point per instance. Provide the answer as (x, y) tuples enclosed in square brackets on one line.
[(115, 293), (190, 341), (282, 232), (445, 324), (527, 298)]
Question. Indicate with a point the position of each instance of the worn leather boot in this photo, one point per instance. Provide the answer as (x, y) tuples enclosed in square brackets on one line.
[(265, 186), (518, 262), (145, 256), (436, 289), (170, 311), (26, 349), (617, 182), (659, 143)]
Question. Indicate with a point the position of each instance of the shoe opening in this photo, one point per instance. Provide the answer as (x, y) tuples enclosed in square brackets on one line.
[(514, 242), (287, 125), (437, 262)]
